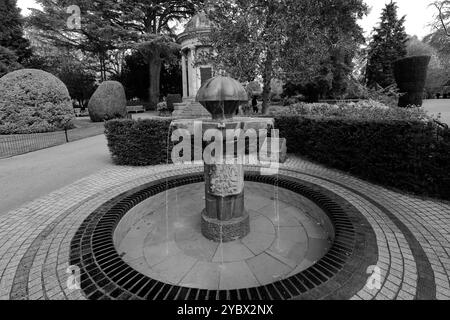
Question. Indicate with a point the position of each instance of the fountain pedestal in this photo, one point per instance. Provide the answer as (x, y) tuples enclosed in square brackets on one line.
[(224, 218)]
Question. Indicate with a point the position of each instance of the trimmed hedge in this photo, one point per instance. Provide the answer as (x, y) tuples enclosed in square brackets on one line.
[(138, 142), (413, 156)]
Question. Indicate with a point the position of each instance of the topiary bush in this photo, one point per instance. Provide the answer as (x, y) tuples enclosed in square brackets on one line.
[(34, 101), (411, 74), (108, 102)]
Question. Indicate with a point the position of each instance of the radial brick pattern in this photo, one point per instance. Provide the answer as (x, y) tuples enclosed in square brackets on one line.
[(405, 236)]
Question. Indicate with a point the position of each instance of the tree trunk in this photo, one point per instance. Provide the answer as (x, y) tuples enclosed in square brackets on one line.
[(103, 68), (267, 79), (154, 74)]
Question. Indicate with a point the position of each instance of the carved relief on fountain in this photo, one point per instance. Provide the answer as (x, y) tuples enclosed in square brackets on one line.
[(226, 180)]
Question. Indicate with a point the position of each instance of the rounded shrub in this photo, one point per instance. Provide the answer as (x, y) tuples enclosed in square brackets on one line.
[(411, 75), (108, 102), (33, 101)]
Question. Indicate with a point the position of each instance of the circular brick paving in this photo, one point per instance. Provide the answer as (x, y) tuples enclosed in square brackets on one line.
[(406, 237)]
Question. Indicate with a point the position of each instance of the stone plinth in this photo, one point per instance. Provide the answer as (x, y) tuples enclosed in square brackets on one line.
[(224, 218), (190, 110)]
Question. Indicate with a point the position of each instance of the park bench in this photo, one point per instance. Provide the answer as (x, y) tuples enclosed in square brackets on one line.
[(135, 109)]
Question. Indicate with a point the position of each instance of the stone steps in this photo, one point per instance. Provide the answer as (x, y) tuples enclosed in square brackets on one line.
[(190, 109)]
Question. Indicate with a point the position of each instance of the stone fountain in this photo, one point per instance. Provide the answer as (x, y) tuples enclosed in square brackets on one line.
[(224, 218), (226, 243)]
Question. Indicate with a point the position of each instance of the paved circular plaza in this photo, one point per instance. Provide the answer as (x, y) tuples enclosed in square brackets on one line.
[(407, 239)]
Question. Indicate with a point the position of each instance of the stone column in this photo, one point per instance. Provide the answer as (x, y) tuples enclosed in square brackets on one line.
[(184, 74), (192, 74)]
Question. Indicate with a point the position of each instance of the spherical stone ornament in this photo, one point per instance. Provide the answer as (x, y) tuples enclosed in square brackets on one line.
[(108, 102), (33, 101)]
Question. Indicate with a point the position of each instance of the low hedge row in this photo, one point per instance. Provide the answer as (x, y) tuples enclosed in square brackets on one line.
[(409, 155), (413, 156)]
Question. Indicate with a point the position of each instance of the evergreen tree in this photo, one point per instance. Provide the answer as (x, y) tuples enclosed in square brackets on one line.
[(8, 61), (11, 30), (108, 26), (333, 79), (388, 45), (289, 40)]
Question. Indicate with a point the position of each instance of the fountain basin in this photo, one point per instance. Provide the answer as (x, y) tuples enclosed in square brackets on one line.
[(288, 235), (106, 275)]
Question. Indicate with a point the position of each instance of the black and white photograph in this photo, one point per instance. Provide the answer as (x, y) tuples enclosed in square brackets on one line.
[(227, 157)]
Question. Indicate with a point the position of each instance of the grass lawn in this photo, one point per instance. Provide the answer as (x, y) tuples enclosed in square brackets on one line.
[(85, 128)]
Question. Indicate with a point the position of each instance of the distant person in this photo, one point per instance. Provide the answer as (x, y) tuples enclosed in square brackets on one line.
[(255, 105)]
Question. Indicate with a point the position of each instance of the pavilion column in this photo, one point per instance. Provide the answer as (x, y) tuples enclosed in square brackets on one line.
[(184, 74), (192, 73)]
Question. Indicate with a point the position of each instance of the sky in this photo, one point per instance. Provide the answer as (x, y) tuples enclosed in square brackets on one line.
[(418, 14)]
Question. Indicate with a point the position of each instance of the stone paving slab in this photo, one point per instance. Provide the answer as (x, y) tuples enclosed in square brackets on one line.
[(412, 234)]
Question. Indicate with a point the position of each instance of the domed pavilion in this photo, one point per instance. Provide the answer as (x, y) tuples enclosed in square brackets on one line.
[(194, 75)]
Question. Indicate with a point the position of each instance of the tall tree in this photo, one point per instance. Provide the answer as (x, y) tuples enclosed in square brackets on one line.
[(11, 30), (339, 23), (439, 40), (250, 38), (442, 18), (71, 67), (157, 49), (135, 77), (8, 61), (288, 40), (388, 45), (440, 37), (111, 25)]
